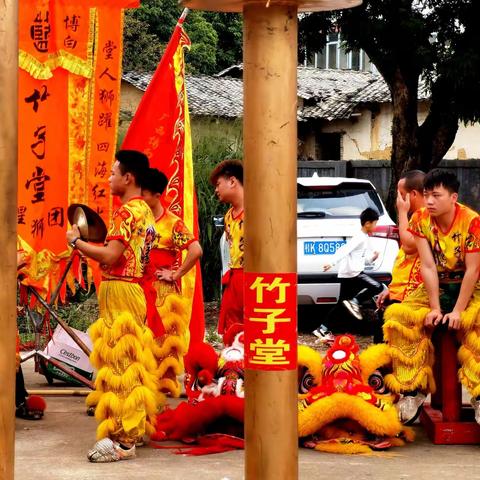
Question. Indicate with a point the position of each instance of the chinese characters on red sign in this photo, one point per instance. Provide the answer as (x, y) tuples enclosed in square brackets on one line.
[(106, 107), (270, 321)]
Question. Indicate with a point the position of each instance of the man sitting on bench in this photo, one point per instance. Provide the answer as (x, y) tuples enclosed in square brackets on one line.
[(447, 236)]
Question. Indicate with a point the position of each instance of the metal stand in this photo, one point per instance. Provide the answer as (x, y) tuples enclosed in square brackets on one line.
[(41, 358)]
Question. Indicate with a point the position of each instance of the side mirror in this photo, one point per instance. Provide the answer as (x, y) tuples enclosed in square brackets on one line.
[(218, 221)]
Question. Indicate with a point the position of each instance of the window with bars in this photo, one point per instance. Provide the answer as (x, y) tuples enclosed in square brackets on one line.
[(334, 56)]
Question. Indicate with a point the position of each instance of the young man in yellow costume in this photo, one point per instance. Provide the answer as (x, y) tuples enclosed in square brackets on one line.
[(227, 178), (406, 275), (447, 236), (168, 312), (126, 389)]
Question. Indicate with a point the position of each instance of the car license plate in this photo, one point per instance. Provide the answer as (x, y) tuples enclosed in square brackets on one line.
[(322, 247)]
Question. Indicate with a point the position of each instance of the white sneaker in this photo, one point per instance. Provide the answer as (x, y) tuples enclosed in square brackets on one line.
[(324, 335), (106, 450), (476, 407), (354, 308), (409, 407)]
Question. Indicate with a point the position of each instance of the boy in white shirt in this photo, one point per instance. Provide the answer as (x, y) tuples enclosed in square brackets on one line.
[(351, 259)]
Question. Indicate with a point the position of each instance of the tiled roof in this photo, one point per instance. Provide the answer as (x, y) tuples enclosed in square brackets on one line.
[(326, 94), (207, 96)]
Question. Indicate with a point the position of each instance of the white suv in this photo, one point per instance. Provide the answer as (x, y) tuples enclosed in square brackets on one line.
[(328, 214)]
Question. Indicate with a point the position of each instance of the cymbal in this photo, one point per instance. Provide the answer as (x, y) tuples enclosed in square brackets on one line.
[(92, 227)]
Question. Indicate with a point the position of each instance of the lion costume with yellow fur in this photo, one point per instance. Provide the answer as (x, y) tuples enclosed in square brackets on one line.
[(343, 405)]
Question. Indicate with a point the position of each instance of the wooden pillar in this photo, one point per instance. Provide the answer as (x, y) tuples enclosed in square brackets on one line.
[(270, 158), (8, 231)]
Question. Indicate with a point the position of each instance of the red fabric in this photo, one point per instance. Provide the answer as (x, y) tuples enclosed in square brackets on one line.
[(208, 444), (158, 259), (197, 320), (154, 322), (190, 420), (155, 131), (201, 357), (231, 309)]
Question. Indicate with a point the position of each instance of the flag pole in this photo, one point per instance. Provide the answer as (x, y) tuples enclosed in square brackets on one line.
[(8, 232), (183, 15)]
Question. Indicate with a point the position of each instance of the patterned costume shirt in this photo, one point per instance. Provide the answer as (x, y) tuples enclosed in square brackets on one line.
[(172, 236), (234, 237), (406, 276), (134, 225), (449, 248)]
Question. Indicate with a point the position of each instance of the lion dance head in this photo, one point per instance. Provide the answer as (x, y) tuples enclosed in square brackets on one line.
[(344, 406)]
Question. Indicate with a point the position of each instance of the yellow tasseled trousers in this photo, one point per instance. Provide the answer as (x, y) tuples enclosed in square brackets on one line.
[(412, 351), (126, 392), (169, 350)]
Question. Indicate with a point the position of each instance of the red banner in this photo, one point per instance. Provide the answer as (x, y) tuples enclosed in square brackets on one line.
[(106, 105), (270, 315), (42, 137), (161, 129), (68, 101)]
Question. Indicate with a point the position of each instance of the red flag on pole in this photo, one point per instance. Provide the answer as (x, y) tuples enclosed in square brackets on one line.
[(161, 129)]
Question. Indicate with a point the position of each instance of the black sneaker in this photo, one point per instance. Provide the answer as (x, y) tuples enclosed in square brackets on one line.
[(324, 335), (354, 308)]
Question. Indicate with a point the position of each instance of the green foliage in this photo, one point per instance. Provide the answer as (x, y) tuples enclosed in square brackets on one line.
[(216, 37), (229, 29), (212, 337), (202, 55), (211, 144), (142, 50)]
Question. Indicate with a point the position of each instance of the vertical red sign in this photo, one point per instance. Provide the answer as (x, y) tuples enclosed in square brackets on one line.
[(270, 321)]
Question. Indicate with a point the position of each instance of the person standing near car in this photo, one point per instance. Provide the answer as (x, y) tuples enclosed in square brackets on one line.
[(447, 237), (351, 259), (227, 178), (406, 275)]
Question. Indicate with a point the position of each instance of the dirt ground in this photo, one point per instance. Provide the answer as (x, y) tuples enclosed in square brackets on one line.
[(308, 319)]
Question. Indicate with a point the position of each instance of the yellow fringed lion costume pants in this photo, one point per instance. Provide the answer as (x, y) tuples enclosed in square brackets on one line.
[(169, 350), (126, 392), (412, 351)]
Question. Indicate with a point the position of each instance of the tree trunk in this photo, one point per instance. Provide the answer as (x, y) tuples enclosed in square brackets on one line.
[(437, 133), (405, 149)]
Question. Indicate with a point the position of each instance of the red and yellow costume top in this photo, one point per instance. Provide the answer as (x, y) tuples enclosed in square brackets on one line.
[(133, 225), (171, 237), (449, 247), (168, 311), (231, 309), (234, 237), (406, 276)]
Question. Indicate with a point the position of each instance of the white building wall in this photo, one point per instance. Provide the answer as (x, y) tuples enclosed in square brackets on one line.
[(369, 136)]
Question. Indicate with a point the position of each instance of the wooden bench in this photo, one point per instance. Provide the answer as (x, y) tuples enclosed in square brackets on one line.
[(446, 420)]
